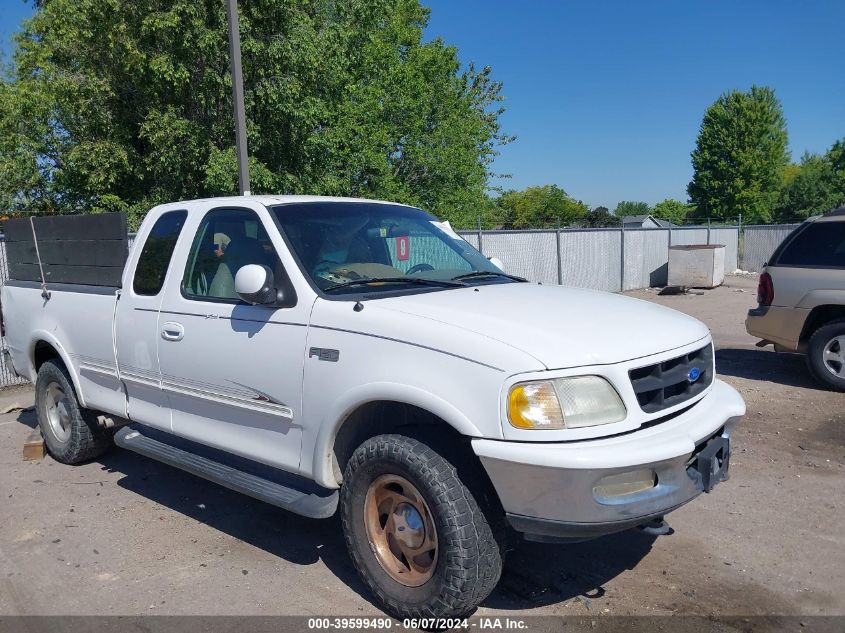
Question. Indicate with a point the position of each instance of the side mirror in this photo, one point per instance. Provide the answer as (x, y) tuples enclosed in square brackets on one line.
[(255, 284), (497, 263)]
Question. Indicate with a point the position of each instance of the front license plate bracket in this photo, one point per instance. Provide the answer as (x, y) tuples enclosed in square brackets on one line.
[(710, 465)]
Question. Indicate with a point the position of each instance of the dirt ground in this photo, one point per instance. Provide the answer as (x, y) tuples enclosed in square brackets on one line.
[(126, 535)]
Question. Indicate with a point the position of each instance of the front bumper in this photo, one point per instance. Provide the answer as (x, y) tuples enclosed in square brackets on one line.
[(557, 491)]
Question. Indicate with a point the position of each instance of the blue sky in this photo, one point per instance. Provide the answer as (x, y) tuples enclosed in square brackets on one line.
[(606, 97)]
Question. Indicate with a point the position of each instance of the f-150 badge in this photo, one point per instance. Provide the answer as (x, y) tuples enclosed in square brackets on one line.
[(330, 355)]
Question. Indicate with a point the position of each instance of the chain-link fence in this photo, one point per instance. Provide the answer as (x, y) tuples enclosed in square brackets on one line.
[(759, 242)]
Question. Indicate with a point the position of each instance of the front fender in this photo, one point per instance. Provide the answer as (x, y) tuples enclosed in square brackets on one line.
[(372, 392)]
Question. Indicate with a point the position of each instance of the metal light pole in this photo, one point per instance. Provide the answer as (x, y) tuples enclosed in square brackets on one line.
[(238, 95)]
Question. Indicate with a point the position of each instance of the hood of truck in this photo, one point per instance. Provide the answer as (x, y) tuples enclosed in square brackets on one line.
[(560, 327)]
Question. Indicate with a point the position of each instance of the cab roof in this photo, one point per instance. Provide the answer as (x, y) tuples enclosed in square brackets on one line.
[(273, 200)]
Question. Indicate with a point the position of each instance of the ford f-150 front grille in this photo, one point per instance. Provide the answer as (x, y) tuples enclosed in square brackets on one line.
[(670, 382)]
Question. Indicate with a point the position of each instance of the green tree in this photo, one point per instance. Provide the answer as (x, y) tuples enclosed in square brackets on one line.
[(538, 207), (673, 210), (815, 185), (600, 218), (120, 105), (836, 156), (740, 156), (627, 207)]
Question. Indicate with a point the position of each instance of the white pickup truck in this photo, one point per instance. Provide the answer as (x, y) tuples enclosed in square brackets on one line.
[(323, 352)]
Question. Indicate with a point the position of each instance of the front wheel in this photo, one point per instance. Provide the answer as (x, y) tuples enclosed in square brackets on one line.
[(71, 433), (826, 354), (416, 534)]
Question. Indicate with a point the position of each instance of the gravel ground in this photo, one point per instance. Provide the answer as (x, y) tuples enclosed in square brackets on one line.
[(126, 535)]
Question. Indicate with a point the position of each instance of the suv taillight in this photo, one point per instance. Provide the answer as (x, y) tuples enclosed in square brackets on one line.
[(765, 290)]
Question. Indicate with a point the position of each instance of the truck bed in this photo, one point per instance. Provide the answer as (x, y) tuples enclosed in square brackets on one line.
[(77, 322), (64, 277)]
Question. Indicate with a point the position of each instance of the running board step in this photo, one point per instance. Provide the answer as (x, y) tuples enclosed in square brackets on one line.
[(310, 504)]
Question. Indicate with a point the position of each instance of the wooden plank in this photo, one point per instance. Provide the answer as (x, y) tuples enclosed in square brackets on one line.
[(75, 249), (24, 272), (58, 273), (95, 226), (17, 229), (33, 447), (70, 252)]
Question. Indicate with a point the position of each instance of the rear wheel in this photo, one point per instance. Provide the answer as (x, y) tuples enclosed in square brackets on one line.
[(72, 434), (826, 354), (415, 532)]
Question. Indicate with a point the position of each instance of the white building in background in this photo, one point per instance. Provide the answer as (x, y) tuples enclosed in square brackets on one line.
[(645, 222)]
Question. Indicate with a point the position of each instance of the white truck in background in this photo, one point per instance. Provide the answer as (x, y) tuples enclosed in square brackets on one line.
[(325, 353)]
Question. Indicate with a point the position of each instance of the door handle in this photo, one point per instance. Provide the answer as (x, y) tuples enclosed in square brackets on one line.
[(172, 331)]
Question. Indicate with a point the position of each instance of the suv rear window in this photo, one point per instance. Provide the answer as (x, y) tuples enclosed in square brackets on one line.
[(821, 244)]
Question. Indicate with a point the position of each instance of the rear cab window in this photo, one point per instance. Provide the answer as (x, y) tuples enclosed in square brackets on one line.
[(819, 245), (157, 252)]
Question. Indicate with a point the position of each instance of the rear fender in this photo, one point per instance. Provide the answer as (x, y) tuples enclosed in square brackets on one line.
[(47, 337), (825, 296)]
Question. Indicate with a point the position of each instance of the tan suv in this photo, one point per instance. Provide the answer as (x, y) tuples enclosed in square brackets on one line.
[(801, 297)]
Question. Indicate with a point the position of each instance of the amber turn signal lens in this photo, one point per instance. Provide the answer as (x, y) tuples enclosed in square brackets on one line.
[(534, 405)]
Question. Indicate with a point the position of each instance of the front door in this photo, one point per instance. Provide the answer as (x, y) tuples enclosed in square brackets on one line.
[(232, 371)]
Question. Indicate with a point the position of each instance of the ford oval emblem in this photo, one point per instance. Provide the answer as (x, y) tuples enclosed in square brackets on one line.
[(693, 374)]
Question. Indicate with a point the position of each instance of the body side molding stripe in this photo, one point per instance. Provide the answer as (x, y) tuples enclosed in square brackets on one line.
[(396, 340), (97, 369), (225, 318), (252, 404), (138, 378)]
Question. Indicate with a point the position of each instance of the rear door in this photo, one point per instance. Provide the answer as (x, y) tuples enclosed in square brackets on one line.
[(136, 320), (232, 371)]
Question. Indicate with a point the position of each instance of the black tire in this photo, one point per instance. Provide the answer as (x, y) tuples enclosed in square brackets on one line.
[(469, 558), (818, 365), (80, 438)]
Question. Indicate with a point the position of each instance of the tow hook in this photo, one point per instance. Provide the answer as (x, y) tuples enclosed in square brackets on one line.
[(656, 527)]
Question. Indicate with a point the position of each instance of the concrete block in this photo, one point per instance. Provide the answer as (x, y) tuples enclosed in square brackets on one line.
[(697, 265)]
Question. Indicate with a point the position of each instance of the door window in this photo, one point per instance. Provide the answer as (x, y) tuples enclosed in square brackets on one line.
[(226, 240), (156, 254)]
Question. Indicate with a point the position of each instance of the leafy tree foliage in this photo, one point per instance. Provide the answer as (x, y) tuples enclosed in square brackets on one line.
[(673, 210), (836, 156), (120, 105), (626, 207), (538, 207), (740, 156), (814, 186), (600, 218)]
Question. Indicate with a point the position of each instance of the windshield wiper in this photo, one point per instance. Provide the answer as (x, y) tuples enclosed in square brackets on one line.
[(407, 280), (487, 273)]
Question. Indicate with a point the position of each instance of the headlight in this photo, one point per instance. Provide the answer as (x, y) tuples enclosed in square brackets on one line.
[(564, 403)]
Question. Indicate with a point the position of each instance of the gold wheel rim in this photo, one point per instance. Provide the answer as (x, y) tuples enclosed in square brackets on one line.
[(400, 530)]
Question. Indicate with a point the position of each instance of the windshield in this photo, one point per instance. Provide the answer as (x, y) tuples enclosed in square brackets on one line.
[(342, 245)]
